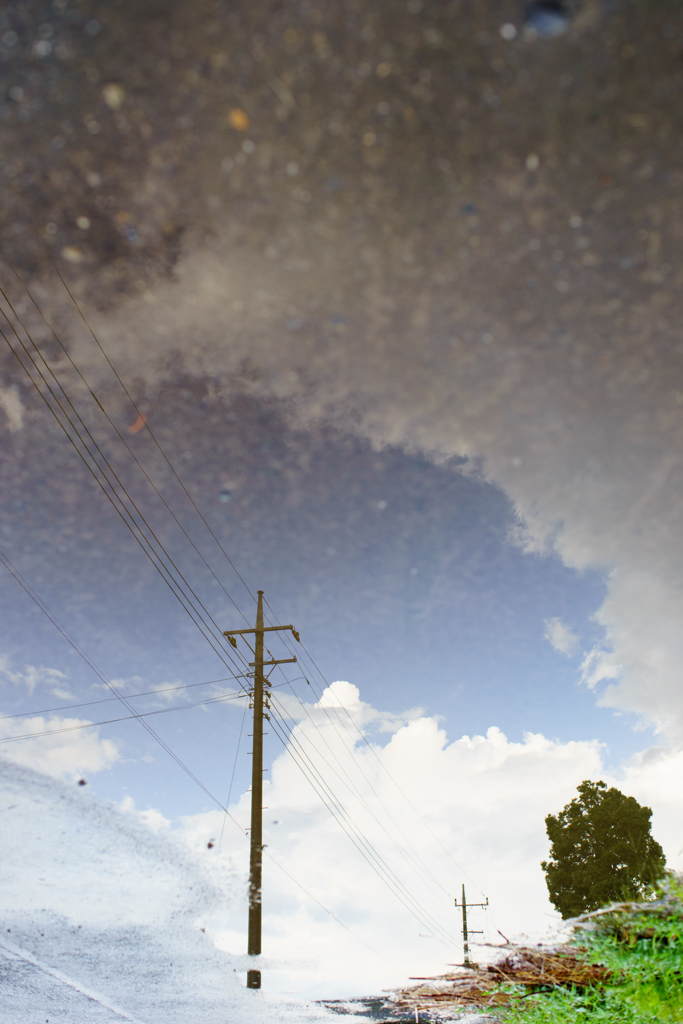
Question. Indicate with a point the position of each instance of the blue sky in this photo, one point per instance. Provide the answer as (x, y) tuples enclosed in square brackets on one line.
[(334, 546)]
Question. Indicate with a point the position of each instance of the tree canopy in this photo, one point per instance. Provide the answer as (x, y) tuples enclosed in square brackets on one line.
[(601, 851)]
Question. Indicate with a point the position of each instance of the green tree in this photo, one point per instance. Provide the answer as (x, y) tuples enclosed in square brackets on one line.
[(601, 851)]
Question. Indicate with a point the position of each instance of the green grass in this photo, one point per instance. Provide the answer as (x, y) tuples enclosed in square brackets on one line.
[(644, 953)]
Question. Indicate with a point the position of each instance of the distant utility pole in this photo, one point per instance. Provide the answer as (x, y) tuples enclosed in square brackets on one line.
[(257, 694), (465, 933)]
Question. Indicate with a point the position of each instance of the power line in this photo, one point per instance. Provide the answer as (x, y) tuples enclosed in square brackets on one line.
[(107, 700), (333, 916), (385, 770), (159, 556), (424, 866), (104, 700), (140, 717), (113, 497), (166, 459), (413, 858), (362, 844), (232, 777), (121, 436), (177, 476), (70, 640), (375, 861), (128, 718), (421, 862), (178, 588), (129, 707), (128, 696)]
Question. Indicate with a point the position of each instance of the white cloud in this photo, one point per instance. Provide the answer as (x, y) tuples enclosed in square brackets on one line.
[(31, 676), (170, 691), (10, 403), (653, 777), (355, 714), (561, 636), (63, 693), (72, 753), (153, 818), (599, 665), (69, 754)]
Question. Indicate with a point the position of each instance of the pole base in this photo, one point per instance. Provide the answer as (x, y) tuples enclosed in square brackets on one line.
[(253, 979)]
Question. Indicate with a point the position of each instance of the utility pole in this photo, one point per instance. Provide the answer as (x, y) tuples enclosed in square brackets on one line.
[(465, 933), (260, 696)]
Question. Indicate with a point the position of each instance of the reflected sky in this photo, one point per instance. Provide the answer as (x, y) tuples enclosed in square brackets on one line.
[(400, 574), (395, 293)]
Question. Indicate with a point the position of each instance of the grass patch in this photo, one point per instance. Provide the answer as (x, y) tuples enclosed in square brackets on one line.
[(641, 947)]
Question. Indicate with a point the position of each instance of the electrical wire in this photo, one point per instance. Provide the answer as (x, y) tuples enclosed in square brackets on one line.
[(184, 581), (232, 777), (43, 607), (422, 864), (107, 700), (128, 696), (375, 861), (129, 707), (159, 556), (385, 770), (177, 476), (163, 454), (413, 858), (122, 437), (362, 844), (333, 916), (117, 503), (128, 718), (70, 640), (138, 411)]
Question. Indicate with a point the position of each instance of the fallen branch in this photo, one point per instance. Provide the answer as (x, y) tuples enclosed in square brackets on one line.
[(498, 983)]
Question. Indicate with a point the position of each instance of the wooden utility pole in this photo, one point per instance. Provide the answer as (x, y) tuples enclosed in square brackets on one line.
[(259, 695), (465, 933)]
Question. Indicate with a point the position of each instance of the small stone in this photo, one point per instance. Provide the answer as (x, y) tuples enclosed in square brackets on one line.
[(239, 119), (72, 254), (113, 95)]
